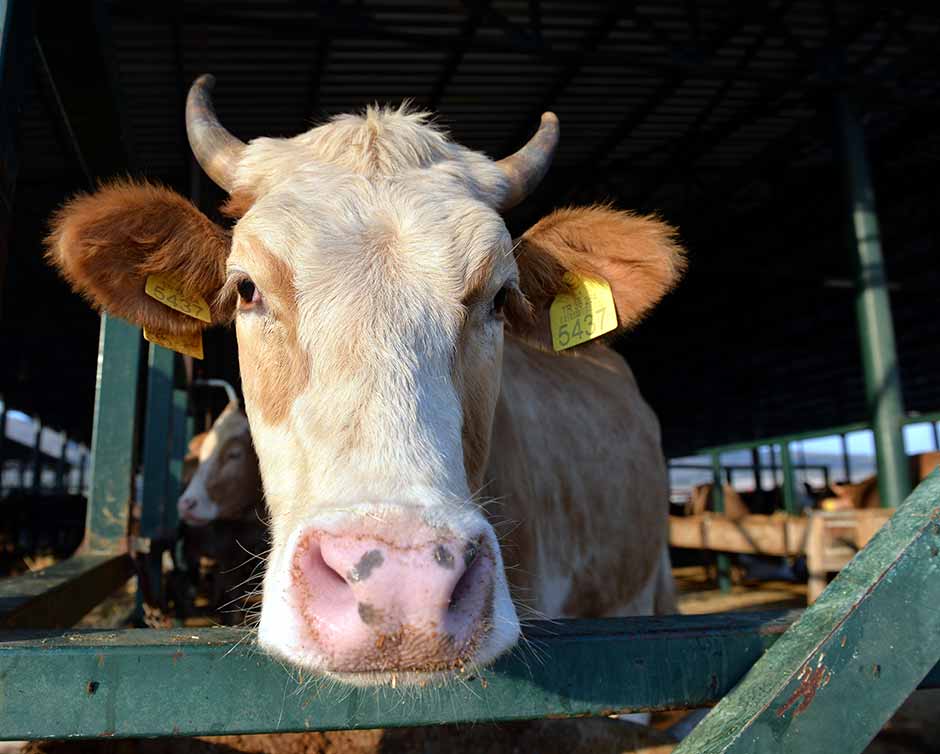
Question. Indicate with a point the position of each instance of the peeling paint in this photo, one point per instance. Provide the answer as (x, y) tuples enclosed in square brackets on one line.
[(811, 680)]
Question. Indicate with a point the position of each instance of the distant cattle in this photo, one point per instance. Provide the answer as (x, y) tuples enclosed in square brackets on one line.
[(737, 504), (222, 514), (865, 494)]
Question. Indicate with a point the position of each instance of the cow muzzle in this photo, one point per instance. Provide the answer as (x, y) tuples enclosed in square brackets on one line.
[(408, 597)]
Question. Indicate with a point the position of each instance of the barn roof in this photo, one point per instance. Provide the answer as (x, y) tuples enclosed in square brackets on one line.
[(717, 115)]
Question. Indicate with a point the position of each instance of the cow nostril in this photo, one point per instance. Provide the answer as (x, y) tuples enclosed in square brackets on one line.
[(471, 576), (470, 553)]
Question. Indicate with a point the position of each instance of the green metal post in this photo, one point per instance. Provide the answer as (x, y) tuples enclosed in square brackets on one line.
[(846, 457), (722, 563), (758, 473), (3, 440), (157, 442), (36, 461), (177, 452), (789, 487), (112, 442), (873, 310), (62, 464), (156, 504)]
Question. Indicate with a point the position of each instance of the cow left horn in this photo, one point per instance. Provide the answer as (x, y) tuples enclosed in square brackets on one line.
[(214, 147), (526, 168)]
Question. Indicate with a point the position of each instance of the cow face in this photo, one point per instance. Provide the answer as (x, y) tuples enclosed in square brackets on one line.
[(225, 485), (370, 277)]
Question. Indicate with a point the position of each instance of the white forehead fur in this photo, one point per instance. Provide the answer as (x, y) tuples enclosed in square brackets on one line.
[(382, 141), (382, 222)]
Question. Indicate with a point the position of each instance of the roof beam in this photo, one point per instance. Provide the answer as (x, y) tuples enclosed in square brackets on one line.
[(589, 43), (766, 102), (635, 118), (468, 30), (321, 59)]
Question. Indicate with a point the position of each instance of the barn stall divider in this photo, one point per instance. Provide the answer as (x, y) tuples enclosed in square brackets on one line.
[(797, 669)]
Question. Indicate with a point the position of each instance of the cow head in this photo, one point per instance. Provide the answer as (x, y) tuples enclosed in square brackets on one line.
[(370, 277), (226, 483)]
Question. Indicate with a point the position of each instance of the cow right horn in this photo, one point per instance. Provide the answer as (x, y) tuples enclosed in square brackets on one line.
[(526, 168), (216, 150)]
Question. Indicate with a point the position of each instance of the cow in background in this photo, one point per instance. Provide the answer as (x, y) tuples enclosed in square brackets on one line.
[(222, 514), (865, 494), (738, 504)]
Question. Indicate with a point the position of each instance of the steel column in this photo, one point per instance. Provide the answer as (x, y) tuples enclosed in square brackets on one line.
[(722, 563), (62, 464), (873, 310), (36, 461), (789, 488), (157, 522), (112, 442), (157, 443), (846, 458)]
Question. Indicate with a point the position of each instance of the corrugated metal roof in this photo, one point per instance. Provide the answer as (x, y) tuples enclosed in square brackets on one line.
[(713, 113)]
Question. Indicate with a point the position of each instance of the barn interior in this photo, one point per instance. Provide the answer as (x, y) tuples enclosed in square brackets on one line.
[(720, 116)]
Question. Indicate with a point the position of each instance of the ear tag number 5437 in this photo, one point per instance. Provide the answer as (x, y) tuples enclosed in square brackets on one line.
[(168, 291), (586, 311)]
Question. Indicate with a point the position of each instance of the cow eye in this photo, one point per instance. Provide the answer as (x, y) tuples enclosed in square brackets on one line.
[(248, 293), (499, 302)]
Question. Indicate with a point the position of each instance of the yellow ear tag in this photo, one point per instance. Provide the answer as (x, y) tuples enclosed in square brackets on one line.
[(583, 313), (167, 290), (190, 344)]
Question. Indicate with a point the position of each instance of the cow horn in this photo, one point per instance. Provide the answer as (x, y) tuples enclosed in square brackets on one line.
[(526, 168), (216, 150)]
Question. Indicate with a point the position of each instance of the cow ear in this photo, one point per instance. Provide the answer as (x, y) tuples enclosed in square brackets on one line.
[(108, 243), (639, 257)]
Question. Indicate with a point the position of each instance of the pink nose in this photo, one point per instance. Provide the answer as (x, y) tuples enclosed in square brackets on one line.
[(415, 599)]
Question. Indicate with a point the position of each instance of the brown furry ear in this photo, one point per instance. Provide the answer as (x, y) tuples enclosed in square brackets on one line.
[(107, 243), (639, 256)]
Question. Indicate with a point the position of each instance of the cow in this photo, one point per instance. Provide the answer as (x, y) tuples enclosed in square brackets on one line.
[(222, 513), (865, 494), (738, 503), (403, 400)]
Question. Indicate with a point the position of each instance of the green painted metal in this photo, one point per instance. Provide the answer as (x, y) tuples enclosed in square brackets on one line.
[(141, 682), (789, 480), (201, 681), (36, 460), (157, 496), (112, 460), (180, 427), (62, 464), (58, 596), (3, 439), (853, 657), (722, 561), (873, 310)]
